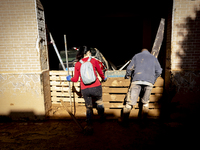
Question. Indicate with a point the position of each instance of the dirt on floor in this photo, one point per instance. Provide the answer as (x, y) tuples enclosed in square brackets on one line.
[(110, 135), (178, 131)]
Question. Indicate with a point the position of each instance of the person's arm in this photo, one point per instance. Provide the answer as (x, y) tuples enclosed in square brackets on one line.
[(129, 69), (100, 72), (76, 72)]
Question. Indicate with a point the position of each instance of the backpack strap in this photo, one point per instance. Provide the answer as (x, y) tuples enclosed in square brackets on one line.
[(87, 60)]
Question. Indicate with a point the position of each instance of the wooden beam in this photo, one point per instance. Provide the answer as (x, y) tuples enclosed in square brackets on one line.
[(120, 81), (159, 38), (114, 90)]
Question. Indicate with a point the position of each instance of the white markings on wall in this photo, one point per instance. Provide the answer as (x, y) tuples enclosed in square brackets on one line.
[(20, 84)]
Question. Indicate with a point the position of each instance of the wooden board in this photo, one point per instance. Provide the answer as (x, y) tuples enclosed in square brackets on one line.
[(121, 82), (159, 38), (60, 73), (63, 83), (57, 99), (159, 82), (114, 93), (114, 90)]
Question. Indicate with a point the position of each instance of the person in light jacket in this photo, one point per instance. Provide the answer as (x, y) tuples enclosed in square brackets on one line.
[(144, 70)]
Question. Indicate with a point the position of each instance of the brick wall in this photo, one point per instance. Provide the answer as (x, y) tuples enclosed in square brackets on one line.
[(182, 72), (24, 69), (18, 36), (183, 47), (186, 35)]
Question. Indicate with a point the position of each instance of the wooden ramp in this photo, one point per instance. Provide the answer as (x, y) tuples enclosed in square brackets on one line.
[(114, 93)]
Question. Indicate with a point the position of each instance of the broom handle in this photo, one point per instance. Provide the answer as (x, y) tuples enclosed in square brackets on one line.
[(68, 70)]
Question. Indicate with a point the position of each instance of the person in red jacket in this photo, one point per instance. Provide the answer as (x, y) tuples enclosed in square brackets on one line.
[(92, 91)]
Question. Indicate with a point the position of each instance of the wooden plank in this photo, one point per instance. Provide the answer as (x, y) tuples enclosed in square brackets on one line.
[(65, 95), (115, 73), (114, 105), (155, 98), (157, 90), (54, 93), (60, 73), (67, 99), (114, 90), (62, 88), (59, 88), (113, 97), (59, 83), (58, 78), (159, 82), (159, 38), (120, 81), (65, 83)]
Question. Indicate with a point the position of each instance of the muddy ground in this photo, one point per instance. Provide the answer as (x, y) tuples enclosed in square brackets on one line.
[(180, 130), (110, 135)]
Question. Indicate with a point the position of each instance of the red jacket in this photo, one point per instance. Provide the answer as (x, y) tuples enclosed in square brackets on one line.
[(96, 67)]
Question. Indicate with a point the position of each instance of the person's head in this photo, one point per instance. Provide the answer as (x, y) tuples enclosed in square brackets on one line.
[(82, 52), (144, 49)]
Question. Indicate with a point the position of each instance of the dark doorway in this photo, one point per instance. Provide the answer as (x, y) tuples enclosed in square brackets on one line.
[(118, 30)]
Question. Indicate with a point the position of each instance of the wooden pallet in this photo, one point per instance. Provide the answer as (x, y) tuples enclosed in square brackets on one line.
[(60, 88), (114, 93), (115, 90)]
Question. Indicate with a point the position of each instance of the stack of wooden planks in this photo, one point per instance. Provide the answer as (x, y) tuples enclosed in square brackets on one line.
[(60, 88), (115, 90), (114, 93)]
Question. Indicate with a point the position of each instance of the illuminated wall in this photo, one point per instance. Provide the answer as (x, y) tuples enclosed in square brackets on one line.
[(24, 69)]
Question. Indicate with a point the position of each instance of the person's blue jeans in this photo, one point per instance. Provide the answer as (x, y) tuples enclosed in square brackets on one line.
[(134, 92)]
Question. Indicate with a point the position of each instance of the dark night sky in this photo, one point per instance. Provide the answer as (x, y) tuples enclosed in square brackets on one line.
[(116, 29)]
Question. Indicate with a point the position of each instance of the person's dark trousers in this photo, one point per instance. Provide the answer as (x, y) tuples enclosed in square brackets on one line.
[(89, 95)]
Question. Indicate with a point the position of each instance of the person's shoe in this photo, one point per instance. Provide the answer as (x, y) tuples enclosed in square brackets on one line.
[(127, 109), (145, 108)]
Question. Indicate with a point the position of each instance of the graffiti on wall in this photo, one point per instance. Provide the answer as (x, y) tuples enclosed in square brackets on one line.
[(20, 84)]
